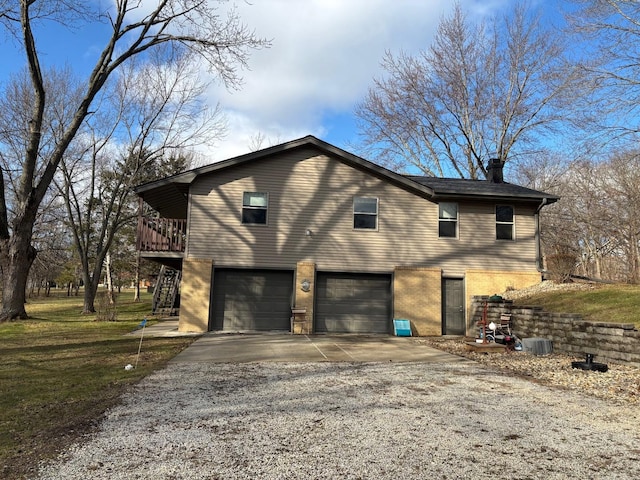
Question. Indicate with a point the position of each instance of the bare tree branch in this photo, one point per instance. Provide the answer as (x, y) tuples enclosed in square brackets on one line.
[(197, 27), (479, 90), (610, 29)]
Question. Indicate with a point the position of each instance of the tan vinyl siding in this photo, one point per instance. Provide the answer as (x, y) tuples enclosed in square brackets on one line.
[(313, 192)]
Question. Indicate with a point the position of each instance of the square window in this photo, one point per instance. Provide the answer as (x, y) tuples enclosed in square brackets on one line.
[(254, 208), (365, 213), (448, 220), (504, 222)]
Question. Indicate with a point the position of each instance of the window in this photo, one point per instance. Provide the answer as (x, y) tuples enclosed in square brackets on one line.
[(365, 213), (504, 222), (254, 208), (448, 220)]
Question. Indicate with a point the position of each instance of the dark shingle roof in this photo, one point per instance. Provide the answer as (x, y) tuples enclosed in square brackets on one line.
[(456, 187)]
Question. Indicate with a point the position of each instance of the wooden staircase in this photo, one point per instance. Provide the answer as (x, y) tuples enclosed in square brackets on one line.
[(165, 293)]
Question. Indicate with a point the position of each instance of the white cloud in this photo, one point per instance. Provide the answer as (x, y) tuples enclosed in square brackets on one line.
[(323, 58)]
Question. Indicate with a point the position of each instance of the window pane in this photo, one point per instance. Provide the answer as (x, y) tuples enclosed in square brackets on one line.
[(449, 210), (504, 231), (447, 229), (254, 199), (364, 221), (365, 205), (504, 213), (254, 215)]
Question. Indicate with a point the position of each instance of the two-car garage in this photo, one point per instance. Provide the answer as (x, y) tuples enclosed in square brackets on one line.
[(260, 300)]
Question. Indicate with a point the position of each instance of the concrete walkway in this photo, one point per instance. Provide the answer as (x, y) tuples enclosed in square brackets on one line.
[(164, 328)]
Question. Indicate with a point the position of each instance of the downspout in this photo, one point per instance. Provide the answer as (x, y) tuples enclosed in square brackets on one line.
[(539, 266)]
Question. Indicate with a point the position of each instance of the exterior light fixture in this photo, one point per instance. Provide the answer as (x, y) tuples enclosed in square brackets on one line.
[(305, 285), (308, 232)]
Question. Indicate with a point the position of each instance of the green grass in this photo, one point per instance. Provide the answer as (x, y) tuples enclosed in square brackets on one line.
[(602, 303), (60, 371)]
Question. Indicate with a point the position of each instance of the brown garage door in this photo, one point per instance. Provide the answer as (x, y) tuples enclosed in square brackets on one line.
[(353, 303), (251, 300)]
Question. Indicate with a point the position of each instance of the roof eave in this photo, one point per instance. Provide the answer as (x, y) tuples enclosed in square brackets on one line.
[(548, 199), (348, 158)]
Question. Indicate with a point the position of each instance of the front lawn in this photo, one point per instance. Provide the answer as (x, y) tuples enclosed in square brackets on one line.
[(60, 371), (618, 303)]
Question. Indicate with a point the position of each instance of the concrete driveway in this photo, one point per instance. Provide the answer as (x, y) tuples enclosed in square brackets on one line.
[(282, 347)]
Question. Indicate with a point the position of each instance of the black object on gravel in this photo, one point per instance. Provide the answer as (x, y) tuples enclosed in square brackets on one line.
[(589, 364)]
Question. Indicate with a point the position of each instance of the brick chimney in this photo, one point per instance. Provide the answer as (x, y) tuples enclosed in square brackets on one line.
[(494, 171)]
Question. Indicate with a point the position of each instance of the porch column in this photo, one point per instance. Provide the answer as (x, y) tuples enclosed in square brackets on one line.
[(195, 295), (305, 298)]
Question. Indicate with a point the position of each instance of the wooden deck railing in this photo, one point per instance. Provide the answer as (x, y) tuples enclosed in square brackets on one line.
[(161, 234)]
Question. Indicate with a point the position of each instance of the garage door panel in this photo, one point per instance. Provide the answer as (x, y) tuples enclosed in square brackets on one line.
[(353, 303), (252, 300), (349, 326), (370, 309)]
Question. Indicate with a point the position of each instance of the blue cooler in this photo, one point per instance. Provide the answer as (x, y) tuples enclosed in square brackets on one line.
[(401, 328)]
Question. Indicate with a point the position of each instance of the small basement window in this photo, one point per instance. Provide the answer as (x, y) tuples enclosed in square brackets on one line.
[(504, 222), (365, 213), (448, 220), (254, 208)]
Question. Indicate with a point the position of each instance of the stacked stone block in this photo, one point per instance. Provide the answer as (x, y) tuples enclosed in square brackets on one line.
[(615, 342)]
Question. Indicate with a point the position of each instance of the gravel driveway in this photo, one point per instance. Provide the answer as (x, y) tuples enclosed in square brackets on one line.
[(354, 421)]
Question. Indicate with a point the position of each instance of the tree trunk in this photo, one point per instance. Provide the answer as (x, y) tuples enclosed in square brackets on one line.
[(90, 290), (110, 292), (635, 259), (136, 295), (91, 281), (598, 261), (18, 255)]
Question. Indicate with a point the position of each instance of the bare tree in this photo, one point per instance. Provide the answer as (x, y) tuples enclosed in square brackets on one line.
[(622, 189), (153, 109), (610, 31), (595, 226), (480, 90), (189, 26), (549, 174), (260, 141)]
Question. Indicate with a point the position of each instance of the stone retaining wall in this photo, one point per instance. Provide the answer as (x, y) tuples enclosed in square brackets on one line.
[(614, 342)]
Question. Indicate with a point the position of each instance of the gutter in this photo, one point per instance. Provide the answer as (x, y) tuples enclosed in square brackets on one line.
[(539, 266)]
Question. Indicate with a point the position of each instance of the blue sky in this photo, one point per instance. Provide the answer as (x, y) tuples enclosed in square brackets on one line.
[(323, 58)]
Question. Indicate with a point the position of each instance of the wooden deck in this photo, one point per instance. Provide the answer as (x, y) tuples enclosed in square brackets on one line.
[(162, 234)]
